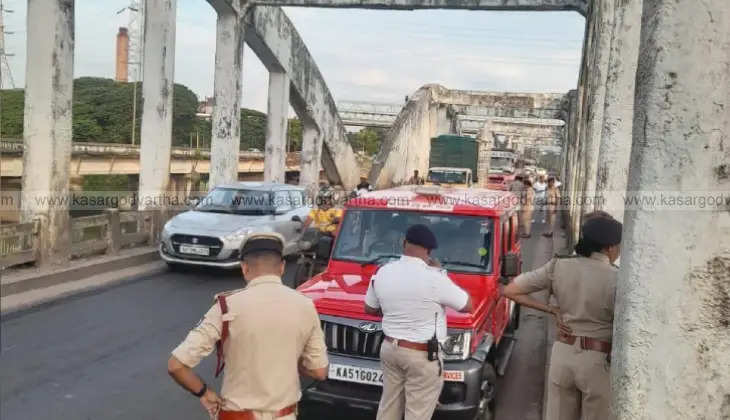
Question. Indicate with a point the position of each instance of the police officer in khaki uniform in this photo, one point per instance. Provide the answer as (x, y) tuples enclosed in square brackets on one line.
[(265, 335), (584, 287)]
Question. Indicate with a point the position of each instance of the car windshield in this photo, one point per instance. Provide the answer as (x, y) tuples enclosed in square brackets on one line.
[(447, 177), (237, 201), (376, 236), (500, 163)]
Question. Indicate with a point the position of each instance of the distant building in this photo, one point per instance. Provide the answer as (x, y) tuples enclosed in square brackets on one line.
[(205, 108)]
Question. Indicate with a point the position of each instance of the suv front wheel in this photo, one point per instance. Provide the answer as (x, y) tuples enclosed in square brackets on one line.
[(487, 393)]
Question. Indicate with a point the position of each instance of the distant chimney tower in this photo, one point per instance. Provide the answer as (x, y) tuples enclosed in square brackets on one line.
[(122, 54)]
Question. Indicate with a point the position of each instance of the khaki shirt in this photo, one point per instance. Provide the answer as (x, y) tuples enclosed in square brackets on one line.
[(553, 197), (271, 329), (584, 288)]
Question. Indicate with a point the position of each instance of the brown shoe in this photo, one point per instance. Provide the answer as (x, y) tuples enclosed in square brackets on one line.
[(548, 235)]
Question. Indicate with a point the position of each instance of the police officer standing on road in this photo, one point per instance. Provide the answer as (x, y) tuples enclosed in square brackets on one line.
[(584, 287), (411, 294), (268, 334)]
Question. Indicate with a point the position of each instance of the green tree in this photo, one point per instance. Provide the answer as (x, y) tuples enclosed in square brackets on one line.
[(12, 102), (367, 140), (294, 134), (253, 129)]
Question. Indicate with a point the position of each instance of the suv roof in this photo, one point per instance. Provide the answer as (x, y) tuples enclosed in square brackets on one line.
[(438, 199), (261, 186)]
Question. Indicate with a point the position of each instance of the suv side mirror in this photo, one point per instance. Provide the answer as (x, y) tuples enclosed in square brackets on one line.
[(296, 218), (510, 265), (324, 247)]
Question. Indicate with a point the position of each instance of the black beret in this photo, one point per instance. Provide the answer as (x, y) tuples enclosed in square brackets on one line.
[(259, 242), (421, 235), (603, 230)]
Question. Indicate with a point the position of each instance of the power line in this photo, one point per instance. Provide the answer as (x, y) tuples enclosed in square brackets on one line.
[(5, 71)]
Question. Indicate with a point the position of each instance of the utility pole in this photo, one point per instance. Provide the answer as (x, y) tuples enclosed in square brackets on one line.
[(5, 72)]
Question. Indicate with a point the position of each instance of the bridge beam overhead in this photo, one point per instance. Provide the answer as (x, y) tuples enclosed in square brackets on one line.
[(277, 43), (227, 87), (580, 6), (157, 91), (47, 124)]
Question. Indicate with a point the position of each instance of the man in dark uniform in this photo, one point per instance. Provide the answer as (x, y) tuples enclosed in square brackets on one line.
[(267, 334)]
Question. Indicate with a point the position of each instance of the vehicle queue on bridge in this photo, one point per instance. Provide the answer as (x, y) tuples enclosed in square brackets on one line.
[(404, 264)]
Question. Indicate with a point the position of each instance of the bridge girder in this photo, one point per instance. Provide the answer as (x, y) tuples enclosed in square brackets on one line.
[(580, 6)]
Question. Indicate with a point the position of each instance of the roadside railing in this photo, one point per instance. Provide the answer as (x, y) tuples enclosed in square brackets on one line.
[(105, 233)]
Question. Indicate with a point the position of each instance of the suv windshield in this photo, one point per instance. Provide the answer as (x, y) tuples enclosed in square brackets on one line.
[(237, 201), (447, 177), (376, 236)]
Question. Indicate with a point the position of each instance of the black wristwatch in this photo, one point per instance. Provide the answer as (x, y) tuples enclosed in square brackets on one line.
[(202, 391)]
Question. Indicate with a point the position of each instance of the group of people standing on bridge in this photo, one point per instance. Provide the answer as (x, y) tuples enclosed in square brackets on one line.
[(545, 194)]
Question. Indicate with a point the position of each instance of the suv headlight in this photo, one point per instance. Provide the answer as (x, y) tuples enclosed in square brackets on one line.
[(237, 236), (457, 345)]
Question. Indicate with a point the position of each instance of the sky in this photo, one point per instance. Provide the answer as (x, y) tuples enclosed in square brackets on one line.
[(365, 55)]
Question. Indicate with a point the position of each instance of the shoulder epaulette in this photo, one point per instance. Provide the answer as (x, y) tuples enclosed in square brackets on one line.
[(565, 256), (228, 293)]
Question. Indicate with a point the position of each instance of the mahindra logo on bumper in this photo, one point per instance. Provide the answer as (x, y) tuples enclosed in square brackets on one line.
[(195, 240), (368, 327)]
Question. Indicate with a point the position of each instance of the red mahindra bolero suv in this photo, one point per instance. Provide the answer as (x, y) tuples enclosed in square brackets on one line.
[(477, 234)]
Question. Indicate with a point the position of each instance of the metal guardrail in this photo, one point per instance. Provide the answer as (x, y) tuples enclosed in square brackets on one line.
[(106, 233)]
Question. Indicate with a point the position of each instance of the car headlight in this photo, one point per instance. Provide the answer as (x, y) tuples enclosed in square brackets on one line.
[(166, 231), (237, 236), (457, 345)]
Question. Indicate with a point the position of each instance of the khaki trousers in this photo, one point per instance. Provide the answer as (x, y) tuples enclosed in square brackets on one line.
[(526, 220), (550, 219), (411, 384), (579, 384)]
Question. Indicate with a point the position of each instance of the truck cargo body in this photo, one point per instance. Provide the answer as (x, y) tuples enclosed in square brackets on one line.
[(454, 152)]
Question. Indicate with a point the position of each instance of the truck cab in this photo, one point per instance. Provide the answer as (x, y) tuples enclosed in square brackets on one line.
[(501, 169), (452, 177), (478, 247)]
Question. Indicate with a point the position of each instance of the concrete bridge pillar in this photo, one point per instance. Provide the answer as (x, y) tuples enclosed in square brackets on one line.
[(276, 127), (602, 15), (226, 136), (47, 124), (672, 327), (311, 156), (157, 91), (615, 148)]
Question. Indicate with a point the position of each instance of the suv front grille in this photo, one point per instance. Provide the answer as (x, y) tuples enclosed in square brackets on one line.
[(352, 341)]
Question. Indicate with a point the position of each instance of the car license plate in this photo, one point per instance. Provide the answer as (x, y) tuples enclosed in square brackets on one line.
[(195, 250), (356, 374)]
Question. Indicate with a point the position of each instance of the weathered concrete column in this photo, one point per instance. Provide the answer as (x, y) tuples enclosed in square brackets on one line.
[(603, 14), (276, 127), (47, 124), (226, 135), (311, 156), (618, 113), (159, 69), (672, 327)]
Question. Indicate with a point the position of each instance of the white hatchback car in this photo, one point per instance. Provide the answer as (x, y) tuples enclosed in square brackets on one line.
[(212, 233)]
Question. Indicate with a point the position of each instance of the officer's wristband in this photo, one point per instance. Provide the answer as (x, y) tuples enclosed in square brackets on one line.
[(202, 391)]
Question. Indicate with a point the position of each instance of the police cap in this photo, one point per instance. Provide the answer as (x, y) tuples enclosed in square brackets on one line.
[(603, 230), (421, 235), (263, 242)]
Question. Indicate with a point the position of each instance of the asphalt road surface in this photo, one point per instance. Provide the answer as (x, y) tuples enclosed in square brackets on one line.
[(103, 355)]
